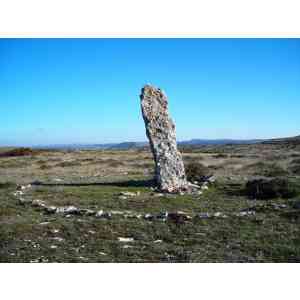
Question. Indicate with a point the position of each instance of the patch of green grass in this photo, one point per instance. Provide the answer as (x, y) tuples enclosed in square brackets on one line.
[(7, 185), (28, 234), (32, 236), (221, 197)]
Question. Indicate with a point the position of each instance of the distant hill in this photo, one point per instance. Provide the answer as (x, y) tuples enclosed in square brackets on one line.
[(190, 143), (135, 145), (289, 140), (195, 142), (120, 146), (129, 145)]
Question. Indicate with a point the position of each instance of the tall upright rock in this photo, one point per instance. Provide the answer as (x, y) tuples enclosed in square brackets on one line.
[(160, 129)]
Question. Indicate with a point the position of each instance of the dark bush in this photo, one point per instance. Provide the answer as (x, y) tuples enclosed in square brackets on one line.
[(275, 170), (295, 166), (237, 156), (68, 164), (271, 188), (295, 161), (6, 185), (18, 152), (295, 169), (45, 167), (197, 172), (220, 155)]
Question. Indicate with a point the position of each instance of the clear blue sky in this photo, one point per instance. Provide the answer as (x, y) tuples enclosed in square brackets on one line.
[(87, 90)]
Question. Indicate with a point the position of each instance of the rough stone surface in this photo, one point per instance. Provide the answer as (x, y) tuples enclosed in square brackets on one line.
[(160, 129)]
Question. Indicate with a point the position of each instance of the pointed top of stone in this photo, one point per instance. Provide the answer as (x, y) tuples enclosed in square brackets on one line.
[(151, 88), (154, 101)]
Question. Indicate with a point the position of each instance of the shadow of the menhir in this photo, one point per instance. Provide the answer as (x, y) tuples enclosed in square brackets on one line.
[(128, 183)]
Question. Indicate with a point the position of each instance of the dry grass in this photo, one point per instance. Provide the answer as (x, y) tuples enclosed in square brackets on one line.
[(93, 179)]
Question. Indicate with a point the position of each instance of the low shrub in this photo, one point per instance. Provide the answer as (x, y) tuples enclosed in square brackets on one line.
[(197, 172), (295, 169), (220, 155), (45, 167), (264, 189), (68, 164), (294, 166), (237, 156), (6, 185), (18, 152)]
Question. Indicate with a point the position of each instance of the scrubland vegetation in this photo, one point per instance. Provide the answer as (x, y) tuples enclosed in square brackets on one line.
[(261, 179)]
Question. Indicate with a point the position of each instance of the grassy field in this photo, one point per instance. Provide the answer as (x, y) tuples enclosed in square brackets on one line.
[(95, 180)]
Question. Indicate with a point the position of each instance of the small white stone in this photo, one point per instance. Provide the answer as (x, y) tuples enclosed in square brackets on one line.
[(158, 195), (67, 209), (129, 194), (217, 214), (58, 239), (38, 202), (148, 216), (125, 240), (157, 241), (82, 258), (44, 223), (51, 209), (99, 213), (22, 200), (17, 193), (102, 214), (117, 212)]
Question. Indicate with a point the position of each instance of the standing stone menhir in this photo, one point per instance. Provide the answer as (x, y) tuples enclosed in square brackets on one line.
[(160, 129)]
